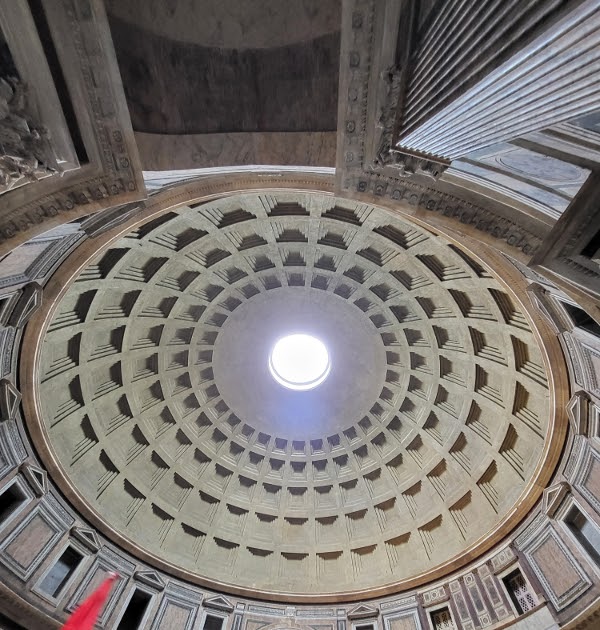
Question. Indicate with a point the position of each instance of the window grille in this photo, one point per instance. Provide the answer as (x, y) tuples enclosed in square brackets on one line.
[(519, 592), (442, 620)]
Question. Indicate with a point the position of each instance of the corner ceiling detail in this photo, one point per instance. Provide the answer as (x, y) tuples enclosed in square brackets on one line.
[(242, 67)]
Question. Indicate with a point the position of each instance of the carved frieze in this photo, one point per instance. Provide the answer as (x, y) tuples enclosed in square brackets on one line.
[(389, 154), (406, 164), (502, 559), (434, 596)]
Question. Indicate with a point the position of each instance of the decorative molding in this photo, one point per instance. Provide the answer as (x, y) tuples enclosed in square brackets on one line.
[(117, 562), (434, 596), (150, 578), (101, 222), (406, 163), (572, 351), (502, 559), (531, 531), (13, 442), (184, 593), (559, 599), (28, 304), (553, 497), (10, 397), (52, 256), (404, 602), (547, 307), (36, 477), (87, 537), (360, 173), (315, 613), (7, 345), (588, 459), (363, 611), (578, 412), (218, 603), (54, 503), (266, 610), (574, 457), (580, 356)]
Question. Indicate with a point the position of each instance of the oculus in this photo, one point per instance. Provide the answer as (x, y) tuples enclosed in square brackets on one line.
[(299, 362)]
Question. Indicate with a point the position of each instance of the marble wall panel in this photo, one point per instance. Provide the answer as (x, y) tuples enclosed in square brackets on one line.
[(27, 546), (557, 569)]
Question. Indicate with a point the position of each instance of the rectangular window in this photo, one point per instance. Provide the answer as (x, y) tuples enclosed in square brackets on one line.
[(10, 500), (212, 622), (519, 592), (60, 573), (581, 319), (5, 300), (592, 249), (586, 533), (135, 611), (442, 620)]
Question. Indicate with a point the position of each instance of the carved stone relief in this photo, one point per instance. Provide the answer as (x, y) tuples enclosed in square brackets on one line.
[(26, 153)]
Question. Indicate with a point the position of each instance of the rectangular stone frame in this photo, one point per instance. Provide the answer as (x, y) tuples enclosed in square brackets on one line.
[(25, 489), (409, 614), (106, 561), (85, 554), (24, 572), (113, 173), (20, 32), (558, 600), (178, 597)]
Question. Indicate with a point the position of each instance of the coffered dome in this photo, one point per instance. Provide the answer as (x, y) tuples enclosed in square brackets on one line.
[(160, 418)]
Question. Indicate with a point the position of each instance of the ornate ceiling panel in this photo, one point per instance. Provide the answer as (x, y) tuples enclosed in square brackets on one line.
[(158, 411)]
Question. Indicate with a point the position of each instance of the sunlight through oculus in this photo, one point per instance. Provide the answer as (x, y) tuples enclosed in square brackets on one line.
[(299, 362)]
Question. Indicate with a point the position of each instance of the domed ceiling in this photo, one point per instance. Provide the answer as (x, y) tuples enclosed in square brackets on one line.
[(162, 421)]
